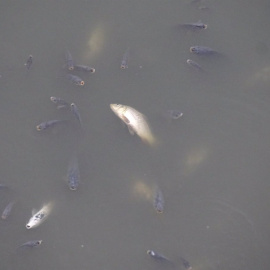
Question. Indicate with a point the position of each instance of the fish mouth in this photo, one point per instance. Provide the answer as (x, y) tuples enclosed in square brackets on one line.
[(28, 226)]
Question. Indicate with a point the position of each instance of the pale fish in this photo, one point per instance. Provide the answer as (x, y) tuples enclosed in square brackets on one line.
[(40, 216), (135, 121)]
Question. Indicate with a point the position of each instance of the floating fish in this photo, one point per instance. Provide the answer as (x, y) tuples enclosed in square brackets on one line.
[(75, 111), (60, 103), (7, 210), (40, 216), (73, 174), (69, 60), (84, 68), (135, 121), (29, 62), (158, 201), (158, 256), (75, 79), (194, 65), (47, 124), (125, 60), (31, 244)]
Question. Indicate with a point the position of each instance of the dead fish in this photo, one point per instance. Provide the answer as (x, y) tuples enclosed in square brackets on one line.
[(30, 244), (75, 79), (135, 121), (29, 62), (73, 174), (174, 114), (158, 201), (186, 264), (47, 124), (194, 26), (40, 216), (60, 103), (84, 68), (125, 60), (69, 60), (194, 65), (75, 111), (202, 50), (158, 256), (7, 210)]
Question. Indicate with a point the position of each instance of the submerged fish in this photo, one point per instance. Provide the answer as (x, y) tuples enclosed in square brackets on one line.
[(60, 103), (7, 210), (84, 68), (186, 264), (40, 216), (194, 26), (174, 114), (73, 174), (194, 64), (75, 111), (29, 62), (69, 60), (47, 124), (202, 50), (125, 59), (135, 121), (158, 256), (75, 79), (158, 201), (31, 244)]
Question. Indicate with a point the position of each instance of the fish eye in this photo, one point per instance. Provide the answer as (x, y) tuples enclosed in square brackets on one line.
[(71, 68), (82, 83)]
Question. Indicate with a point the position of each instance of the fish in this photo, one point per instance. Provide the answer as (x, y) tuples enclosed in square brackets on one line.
[(7, 210), (202, 50), (3, 186), (40, 216), (125, 60), (174, 114), (194, 26), (84, 68), (60, 103), (29, 62), (75, 79), (30, 244), (158, 201), (186, 264), (75, 111), (135, 121), (69, 60), (158, 256), (73, 174), (194, 65), (47, 124)]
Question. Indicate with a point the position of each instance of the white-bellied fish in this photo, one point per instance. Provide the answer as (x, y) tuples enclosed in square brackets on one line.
[(40, 216), (7, 210), (135, 121), (73, 173)]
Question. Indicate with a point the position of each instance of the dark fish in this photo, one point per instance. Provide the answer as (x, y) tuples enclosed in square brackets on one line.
[(31, 244), (159, 201), (69, 60), (194, 65), (84, 68), (47, 124), (73, 174), (75, 79), (125, 59), (7, 210), (75, 111), (158, 256), (60, 103), (194, 26), (202, 50), (29, 62), (174, 114), (186, 264)]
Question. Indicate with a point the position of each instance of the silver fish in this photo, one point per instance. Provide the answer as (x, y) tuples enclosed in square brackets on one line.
[(75, 79), (125, 60), (60, 103), (40, 216), (158, 201), (73, 174), (47, 124), (135, 121), (69, 60), (84, 68), (7, 210), (31, 244), (75, 111)]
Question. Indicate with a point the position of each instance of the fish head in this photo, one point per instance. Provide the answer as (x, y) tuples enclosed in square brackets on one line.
[(118, 109), (33, 222)]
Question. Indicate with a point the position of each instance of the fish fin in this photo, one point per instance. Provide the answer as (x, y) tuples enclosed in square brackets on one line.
[(125, 119), (131, 130)]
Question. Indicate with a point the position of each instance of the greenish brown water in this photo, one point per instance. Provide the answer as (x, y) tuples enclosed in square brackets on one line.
[(212, 164)]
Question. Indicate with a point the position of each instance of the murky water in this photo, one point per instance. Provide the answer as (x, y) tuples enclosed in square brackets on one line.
[(211, 164)]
